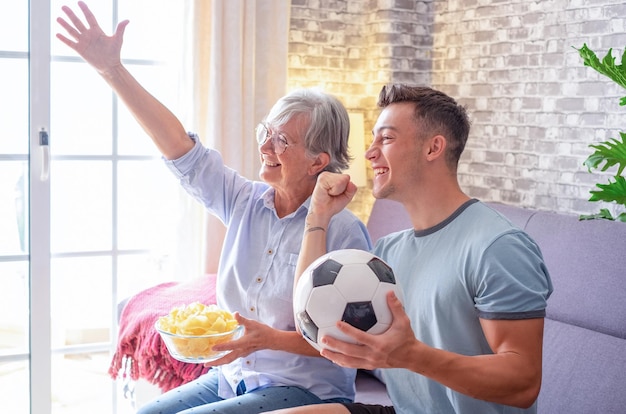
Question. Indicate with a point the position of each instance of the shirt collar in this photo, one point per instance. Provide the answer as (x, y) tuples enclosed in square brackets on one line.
[(268, 202)]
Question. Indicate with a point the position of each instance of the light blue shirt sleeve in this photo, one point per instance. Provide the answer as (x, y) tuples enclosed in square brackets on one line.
[(202, 173)]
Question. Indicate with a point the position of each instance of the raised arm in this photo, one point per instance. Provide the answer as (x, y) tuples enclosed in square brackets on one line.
[(332, 194), (103, 53)]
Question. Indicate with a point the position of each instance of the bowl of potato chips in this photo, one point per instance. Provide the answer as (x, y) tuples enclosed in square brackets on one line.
[(190, 331)]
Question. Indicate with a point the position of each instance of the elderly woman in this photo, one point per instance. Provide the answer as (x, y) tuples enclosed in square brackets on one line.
[(305, 133)]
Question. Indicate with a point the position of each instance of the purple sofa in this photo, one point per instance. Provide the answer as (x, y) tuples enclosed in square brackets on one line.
[(584, 355)]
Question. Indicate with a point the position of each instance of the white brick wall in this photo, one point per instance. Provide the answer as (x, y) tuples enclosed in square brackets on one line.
[(535, 108)]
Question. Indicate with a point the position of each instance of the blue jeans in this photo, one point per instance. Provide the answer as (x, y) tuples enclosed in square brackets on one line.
[(200, 397)]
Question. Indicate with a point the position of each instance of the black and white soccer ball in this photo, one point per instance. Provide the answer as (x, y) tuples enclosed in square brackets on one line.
[(349, 285)]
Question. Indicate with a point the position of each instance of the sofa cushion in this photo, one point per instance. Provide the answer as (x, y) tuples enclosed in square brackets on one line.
[(587, 265), (583, 371), (387, 216), (369, 389), (518, 216)]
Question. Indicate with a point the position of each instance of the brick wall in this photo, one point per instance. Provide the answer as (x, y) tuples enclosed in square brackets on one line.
[(534, 107)]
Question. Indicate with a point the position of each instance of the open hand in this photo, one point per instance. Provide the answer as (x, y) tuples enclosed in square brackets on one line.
[(90, 42)]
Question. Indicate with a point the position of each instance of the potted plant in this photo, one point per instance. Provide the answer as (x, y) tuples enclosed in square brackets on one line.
[(613, 151)]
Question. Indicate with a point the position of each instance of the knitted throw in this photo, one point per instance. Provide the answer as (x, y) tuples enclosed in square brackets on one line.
[(140, 351)]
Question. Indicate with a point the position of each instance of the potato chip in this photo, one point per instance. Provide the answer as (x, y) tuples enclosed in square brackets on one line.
[(197, 320)]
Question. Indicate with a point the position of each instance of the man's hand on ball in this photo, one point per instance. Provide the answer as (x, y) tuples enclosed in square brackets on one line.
[(387, 350)]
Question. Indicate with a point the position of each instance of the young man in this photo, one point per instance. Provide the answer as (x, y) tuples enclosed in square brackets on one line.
[(468, 338)]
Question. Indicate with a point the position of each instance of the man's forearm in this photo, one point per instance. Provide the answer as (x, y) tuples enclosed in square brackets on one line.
[(313, 243)]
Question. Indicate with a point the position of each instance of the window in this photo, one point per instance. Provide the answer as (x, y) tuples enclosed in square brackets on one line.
[(99, 222)]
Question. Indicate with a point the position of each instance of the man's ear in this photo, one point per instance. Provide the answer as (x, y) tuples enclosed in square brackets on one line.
[(436, 147), (319, 163)]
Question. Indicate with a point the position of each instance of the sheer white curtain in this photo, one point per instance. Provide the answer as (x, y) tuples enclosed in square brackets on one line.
[(237, 66)]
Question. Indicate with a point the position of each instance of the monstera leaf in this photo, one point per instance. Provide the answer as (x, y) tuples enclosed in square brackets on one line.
[(611, 192), (603, 214), (606, 66), (611, 153)]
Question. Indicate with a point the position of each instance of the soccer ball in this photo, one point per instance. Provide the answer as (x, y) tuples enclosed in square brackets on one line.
[(349, 285)]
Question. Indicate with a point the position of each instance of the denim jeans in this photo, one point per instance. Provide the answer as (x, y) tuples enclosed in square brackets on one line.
[(200, 397)]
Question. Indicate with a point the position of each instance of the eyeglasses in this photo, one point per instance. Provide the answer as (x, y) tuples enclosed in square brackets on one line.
[(279, 142)]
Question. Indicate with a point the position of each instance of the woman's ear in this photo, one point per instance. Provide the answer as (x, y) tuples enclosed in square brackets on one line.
[(320, 162), (436, 147)]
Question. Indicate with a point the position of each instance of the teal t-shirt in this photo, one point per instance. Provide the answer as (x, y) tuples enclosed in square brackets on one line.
[(475, 264)]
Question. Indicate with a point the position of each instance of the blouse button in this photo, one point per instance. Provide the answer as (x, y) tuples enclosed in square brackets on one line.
[(252, 309), (270, 251), (259, 279)]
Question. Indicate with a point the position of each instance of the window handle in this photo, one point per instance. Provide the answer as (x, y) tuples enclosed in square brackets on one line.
[(45, 154)]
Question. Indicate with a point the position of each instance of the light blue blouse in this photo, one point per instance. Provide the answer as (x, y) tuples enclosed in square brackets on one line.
[(256, 270)]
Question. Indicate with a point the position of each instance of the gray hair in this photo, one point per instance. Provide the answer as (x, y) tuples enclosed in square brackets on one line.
[(329, 124)]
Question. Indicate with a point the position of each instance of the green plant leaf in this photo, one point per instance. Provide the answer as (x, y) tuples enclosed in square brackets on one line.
[(603, 214), (606, 67), (613, 192), (611, 152)]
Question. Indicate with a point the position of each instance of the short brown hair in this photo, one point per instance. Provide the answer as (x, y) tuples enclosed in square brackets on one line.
[(436, 112)]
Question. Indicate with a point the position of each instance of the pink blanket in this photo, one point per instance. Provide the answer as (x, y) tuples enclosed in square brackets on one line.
[(140, 351)]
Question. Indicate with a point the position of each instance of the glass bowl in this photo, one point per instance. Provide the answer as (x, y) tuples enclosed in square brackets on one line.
[(197, 349)]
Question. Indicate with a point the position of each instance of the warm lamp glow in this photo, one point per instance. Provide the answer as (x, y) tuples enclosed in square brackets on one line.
[(356, 146)]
